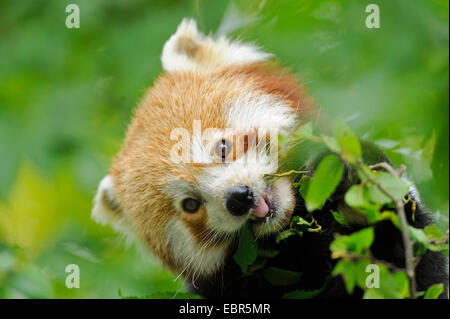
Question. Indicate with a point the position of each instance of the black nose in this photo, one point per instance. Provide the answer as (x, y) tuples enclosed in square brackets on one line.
[(239, 200)]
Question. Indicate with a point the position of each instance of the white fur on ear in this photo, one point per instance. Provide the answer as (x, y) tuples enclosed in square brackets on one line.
[(188, 49), (106, 210)]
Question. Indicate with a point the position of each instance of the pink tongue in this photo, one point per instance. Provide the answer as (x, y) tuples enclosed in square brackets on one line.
[(261, 209)]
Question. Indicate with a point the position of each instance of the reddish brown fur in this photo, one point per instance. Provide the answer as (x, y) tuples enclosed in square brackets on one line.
[(142, 168)]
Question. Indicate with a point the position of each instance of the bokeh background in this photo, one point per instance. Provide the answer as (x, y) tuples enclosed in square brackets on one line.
[(67, 95)]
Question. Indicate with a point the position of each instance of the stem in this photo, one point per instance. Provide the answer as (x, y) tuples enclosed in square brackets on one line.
[(407, 242), (278, 176), (409, 256)]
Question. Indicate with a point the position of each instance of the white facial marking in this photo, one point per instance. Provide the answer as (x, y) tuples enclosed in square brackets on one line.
[(194, 259), (260, 110)]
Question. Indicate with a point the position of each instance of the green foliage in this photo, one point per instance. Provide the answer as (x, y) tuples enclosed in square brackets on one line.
[(304, 185), (247, 250), (281, 277), (349, 147), (374, 191), (434, 291), (353, 273), (287, 233), (392, 286), (356, 243), (325, 180), (374, 195), (430, 238), (297, 227), (340, 218), (301, 294), (393, 185)]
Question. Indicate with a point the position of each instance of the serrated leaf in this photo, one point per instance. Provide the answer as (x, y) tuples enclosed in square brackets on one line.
[(281, 277), (324, 181), (247, 250)]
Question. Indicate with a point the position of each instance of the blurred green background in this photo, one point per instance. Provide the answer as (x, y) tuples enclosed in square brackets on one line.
[(67, 95)]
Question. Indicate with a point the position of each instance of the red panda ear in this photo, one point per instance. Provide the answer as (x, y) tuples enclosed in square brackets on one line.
[(188, 49), (107, 210)]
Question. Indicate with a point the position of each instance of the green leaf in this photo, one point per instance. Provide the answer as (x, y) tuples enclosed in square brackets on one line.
[(350, 148), (418, 235), (434, 291), (424, 238), (247, 250), (281, 277), (433, 232), (287, 233), (394, 186), (302, 294), (331, 143), (392, 285), (355, 196), (324, 181), (352, 272), (339, 217), (300, 224), (372, 212), (393, 217), (356, 242), (304, 185), (269, 253), (402, 282), (355, 273)]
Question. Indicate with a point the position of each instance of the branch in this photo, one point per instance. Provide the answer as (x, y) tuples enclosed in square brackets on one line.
[(407, 242)]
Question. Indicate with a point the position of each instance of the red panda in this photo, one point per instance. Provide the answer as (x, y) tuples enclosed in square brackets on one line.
[(189, 208)]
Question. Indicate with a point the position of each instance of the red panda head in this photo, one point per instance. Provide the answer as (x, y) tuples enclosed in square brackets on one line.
[(190, 172)]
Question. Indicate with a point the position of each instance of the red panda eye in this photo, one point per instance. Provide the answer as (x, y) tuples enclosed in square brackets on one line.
[(190, 205), (222, 149)]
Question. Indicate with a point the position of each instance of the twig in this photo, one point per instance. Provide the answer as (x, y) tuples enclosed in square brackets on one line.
[(389, 168), (278, 176), (407, 243)]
